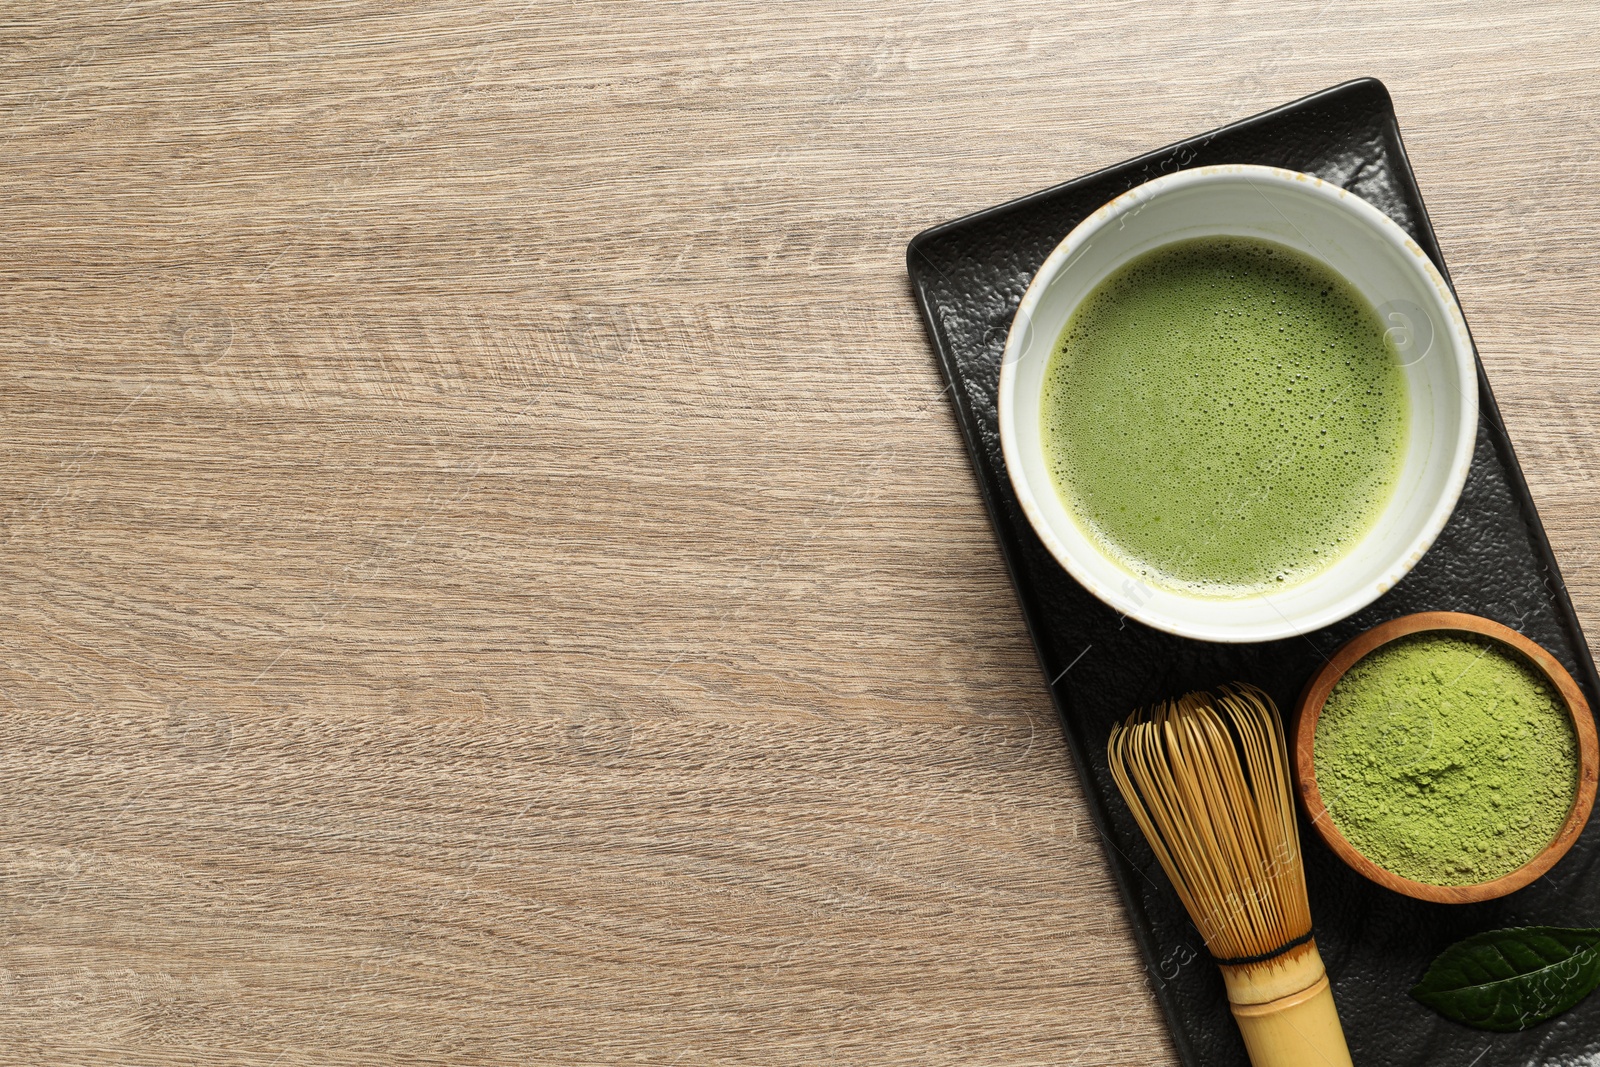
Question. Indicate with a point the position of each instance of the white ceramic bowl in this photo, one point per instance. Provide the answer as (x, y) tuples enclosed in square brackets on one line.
[(1364, 246)]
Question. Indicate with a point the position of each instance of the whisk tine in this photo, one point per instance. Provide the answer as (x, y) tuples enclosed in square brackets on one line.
[(1207, 779)]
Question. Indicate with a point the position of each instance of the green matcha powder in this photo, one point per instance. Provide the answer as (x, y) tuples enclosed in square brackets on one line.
[(1446, 759)]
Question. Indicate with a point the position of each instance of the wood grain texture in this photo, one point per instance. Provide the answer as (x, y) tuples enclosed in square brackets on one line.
[(490, 574)]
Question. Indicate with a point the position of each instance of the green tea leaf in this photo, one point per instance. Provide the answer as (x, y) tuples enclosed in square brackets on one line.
[(1512, 979)]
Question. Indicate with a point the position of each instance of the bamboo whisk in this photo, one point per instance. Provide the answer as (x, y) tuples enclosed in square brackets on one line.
[(1207, 779)]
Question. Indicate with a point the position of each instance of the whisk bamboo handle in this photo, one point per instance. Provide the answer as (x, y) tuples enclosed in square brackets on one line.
[(1300, 1030), (1285, 1012)]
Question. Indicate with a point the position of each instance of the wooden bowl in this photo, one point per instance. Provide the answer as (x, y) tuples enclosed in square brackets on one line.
[(1315, 697)]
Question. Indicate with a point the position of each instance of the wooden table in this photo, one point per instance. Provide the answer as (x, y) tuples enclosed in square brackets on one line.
[(490, 575)]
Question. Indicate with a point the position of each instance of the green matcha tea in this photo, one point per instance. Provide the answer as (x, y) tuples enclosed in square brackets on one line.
[(1446, 758), (1223, 416)]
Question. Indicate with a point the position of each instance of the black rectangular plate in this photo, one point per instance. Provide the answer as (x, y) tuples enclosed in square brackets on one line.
[(1493, 559)]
